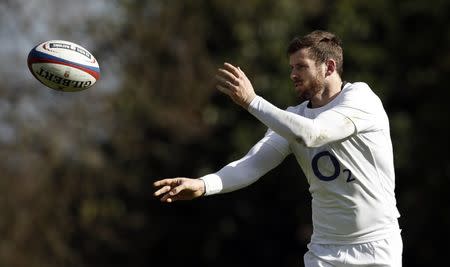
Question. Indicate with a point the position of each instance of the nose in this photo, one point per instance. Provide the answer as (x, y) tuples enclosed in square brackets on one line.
[(293, 75)]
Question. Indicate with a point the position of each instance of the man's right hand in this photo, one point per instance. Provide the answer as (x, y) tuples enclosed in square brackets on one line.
[(180, 188)]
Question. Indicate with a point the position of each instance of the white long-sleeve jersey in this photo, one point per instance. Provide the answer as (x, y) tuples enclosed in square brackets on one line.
[(344, 148)]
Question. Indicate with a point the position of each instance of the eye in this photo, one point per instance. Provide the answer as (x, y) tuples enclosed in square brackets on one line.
[(301, 66)]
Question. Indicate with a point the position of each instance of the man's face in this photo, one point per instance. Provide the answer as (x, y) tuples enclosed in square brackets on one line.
[(308, 78)]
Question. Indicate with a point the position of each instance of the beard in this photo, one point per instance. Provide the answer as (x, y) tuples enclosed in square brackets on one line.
[(314, 86)]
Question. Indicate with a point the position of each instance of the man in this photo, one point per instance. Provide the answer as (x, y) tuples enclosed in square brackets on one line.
[(340, 137)]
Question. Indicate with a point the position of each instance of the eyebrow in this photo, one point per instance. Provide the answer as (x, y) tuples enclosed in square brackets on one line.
[(299, 65)]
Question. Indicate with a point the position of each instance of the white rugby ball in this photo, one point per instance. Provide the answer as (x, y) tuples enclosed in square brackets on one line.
[(63, 66)]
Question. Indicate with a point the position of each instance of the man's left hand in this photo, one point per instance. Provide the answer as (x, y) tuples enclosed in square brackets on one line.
[(233, 82)]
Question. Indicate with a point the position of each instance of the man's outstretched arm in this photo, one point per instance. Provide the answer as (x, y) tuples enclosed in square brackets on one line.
[(328, 127), (263, 157)]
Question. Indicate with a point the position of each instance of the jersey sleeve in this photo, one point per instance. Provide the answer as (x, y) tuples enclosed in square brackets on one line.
[(265, 155), (277, 141), (328, 127), (363, 107)]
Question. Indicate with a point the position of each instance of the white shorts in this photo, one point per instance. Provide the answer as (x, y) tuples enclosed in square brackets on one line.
[(386, 253)]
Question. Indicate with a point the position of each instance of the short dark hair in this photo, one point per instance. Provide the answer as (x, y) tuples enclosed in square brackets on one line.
[(322, 46)]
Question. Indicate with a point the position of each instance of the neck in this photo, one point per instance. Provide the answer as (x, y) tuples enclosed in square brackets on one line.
[(330, 91)]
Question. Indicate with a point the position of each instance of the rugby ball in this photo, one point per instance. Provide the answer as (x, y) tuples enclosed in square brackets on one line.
[(63, 66)]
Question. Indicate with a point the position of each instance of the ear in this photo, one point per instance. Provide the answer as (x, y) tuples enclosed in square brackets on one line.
[(330, 65)]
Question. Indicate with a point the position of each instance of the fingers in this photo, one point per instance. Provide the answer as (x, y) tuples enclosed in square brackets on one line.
[(228, 79), (225, 86), (232, 69), (224, 90), (170, 189), (177, 190), (225, 83), (167, 198), (225, 75), (161, 191), (229, 74), (172, 195), (166, 185), (163, 182), (242, 74)]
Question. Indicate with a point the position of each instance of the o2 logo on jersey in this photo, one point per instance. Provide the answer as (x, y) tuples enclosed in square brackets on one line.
[(334, 163)]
